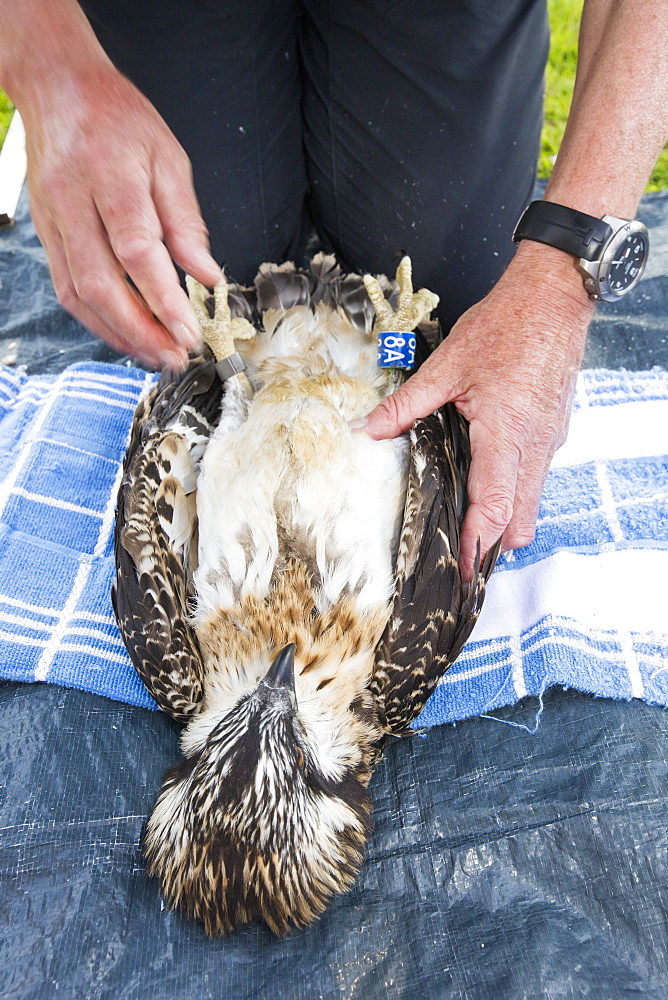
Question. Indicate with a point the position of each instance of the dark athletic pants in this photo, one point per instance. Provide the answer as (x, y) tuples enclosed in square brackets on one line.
[(388, 126)]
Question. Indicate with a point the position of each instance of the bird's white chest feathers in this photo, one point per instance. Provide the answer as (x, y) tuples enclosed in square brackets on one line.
[(285, 477)]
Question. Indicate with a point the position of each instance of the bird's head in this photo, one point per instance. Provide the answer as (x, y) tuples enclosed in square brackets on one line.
[(267, 818)]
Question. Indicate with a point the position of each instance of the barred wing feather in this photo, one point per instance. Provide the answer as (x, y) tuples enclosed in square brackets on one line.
[(156, 535), (433, 613)]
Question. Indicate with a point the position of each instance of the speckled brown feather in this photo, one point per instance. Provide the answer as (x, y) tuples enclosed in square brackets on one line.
[(432, 613), (150, 595)]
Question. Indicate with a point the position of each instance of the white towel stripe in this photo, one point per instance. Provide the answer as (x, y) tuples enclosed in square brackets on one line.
[(80, 451), (22, 640), (557, 627), (34, 626), (52, 646), (94, 633), (33, 395), (16, 603), (55, 502), (581, 398), (25, 622), (465, 675), (8, 375), (55, 612), (90, 616), (626, 642), (101, 387), (473, 652), (518, 670), (101, 654), (114, 380), (617, 657), (608, 505), (46, 659), (100, 399), (8, 485)]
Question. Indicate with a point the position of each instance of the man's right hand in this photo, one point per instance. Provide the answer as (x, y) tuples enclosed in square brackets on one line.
[(112, 198)]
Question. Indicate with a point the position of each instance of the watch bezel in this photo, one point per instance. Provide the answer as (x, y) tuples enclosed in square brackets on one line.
[(596, 273)]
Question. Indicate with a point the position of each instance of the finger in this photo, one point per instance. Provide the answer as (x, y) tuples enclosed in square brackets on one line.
[(70, 301), (183, 228), (135, 236), (419, 396), (64, 287), (102, 289), (532, 474), (491, 487), (521, 528)]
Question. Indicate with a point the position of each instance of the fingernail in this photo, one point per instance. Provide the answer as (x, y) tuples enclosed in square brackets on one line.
[(185, 336), (176, 360), (205, 261), (359, 424)]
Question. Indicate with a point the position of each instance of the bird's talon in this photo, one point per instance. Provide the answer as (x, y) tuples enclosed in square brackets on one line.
[(412, 307), (220, 330)]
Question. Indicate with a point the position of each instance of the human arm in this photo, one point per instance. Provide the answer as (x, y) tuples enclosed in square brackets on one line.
[(111, 188), (509, 363)]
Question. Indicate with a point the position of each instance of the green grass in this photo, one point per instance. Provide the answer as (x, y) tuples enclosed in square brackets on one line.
[(564, 21), (560, 77), (6, 108)]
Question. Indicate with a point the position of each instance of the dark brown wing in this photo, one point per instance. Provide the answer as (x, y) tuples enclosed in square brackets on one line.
[(432, 612), (156, 534)]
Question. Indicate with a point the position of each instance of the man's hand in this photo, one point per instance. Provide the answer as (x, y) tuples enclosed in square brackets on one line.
[(111, 189), (112, 195), (509, 366)]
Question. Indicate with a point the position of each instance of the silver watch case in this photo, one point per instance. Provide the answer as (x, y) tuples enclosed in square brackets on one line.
[(596, 272)]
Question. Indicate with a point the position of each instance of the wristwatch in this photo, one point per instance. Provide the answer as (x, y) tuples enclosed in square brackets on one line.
[(611, 252)]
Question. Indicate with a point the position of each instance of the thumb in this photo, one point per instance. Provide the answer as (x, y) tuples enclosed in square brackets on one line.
[(419, 396)]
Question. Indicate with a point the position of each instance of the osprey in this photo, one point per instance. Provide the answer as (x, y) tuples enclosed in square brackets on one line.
[(286, 586)]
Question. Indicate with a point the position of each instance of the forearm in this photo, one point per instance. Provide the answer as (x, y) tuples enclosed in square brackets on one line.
[(44, 47), (618, 121), (111, 190), (616, 129)]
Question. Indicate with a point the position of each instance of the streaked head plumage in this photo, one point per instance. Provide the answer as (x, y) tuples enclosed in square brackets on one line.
[(257, 823)]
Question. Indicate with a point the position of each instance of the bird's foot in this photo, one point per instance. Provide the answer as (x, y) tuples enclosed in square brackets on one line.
[(412, 307), (219, 329)]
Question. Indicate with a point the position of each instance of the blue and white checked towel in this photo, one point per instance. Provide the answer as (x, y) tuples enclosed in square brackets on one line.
[(585, 605)]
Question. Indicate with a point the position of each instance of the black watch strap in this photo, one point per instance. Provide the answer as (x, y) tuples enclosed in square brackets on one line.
[(564, 228)]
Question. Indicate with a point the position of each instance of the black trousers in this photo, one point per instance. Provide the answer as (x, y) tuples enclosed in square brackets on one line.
[(387, 126)]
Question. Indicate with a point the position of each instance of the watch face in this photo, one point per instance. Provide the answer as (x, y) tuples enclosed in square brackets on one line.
[(627, 263)]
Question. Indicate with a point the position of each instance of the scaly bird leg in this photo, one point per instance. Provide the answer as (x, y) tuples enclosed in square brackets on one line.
[(220, 330)]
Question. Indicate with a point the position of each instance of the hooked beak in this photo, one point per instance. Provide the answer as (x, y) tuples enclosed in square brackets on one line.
[(281, 673)]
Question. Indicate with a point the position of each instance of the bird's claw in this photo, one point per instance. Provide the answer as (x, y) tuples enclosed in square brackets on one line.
[(412, 307), (220, 330)]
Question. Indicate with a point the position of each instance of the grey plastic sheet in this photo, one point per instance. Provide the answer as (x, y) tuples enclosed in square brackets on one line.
[(504, 864)]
